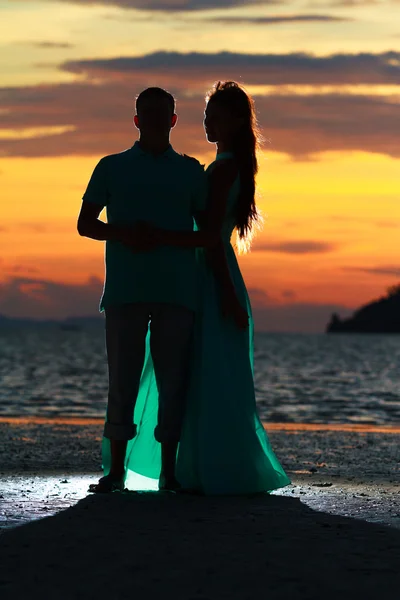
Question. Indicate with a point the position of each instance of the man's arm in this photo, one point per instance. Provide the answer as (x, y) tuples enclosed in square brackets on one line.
[(95, 198), (89, 224)]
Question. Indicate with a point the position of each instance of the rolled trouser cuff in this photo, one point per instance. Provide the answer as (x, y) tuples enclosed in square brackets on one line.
[(119, 432)]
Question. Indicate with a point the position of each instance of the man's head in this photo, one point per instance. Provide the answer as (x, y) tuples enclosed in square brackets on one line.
[(155, 112)]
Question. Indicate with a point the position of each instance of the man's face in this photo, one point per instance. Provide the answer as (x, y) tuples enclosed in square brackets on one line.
[(155, 117)]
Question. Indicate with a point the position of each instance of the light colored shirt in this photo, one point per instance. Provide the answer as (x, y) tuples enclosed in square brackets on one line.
[(166, 190)]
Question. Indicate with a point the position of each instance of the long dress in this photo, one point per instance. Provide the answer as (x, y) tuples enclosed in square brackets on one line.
[(224, 448)]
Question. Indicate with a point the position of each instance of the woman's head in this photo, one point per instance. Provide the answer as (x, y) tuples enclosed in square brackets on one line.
[(229, 109), (230, 120)]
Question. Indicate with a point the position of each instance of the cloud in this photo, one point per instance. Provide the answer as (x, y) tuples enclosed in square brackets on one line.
[(364, 221), (258, 297), (234, 20), (271, 315), (296, 247), (54, 227), (173, 6), (296, 317), (276, 19), (94, 114), (289, 294), (22, 269), (43, 299), (50, 45), (261, 69), (385, 270), (353, 3)]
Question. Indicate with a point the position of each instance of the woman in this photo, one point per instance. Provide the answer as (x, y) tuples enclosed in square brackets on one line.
[(224, 448)]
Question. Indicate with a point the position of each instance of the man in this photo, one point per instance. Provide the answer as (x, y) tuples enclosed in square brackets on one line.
[(148, 182)]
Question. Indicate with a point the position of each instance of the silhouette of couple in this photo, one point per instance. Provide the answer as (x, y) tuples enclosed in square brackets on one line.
[(179, 333)]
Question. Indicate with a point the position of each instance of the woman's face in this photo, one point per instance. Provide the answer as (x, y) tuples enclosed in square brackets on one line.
[(219, 124)]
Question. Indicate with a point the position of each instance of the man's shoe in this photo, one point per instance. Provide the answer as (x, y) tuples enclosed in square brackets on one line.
[(108, 484)]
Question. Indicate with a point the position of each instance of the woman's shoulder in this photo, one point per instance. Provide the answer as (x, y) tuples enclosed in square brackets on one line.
[(223, 169)]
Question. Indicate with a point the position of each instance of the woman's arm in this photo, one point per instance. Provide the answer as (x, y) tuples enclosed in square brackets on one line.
[(229, 302), (220, 184)]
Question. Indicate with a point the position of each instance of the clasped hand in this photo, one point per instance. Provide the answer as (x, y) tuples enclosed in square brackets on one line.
[(141, 237)]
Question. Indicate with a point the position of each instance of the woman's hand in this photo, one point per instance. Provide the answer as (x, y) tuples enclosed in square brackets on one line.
[(232, 309), (240, 317), (147, 236), (141, 237)]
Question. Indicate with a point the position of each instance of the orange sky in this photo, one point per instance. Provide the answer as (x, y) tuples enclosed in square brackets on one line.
[(325, 79)]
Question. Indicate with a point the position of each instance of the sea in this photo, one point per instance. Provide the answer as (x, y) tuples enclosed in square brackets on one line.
[(299, 378)]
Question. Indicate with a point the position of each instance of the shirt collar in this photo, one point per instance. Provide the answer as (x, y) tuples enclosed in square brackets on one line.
[(136, 149)]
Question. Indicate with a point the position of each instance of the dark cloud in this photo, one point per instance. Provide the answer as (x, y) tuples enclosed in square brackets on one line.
[(289, 294), (271, 315), (99, 108), (173, 6), (43, 299), (230, 20), (296, 317), (22, 269), (258, 297), (262, 69), (277, 19), (385, 270), (296, 247)]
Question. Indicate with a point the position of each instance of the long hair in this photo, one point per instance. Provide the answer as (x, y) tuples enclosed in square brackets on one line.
[(232, 97)]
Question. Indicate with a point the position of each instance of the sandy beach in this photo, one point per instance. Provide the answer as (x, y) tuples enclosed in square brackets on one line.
[(334, 531)]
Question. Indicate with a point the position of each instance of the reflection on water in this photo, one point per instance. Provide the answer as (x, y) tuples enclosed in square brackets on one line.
[(299, 378)]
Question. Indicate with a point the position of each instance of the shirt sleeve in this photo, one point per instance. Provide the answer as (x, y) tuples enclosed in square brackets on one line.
[(97, 191), (200, 190)]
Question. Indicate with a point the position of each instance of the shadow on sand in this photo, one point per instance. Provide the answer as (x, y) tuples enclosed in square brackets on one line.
[(149, 545)]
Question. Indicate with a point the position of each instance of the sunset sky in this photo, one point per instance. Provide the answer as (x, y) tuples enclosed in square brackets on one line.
[(325, 77)]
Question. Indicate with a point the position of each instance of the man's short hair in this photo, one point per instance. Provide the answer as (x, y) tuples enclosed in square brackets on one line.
[(155, 92)]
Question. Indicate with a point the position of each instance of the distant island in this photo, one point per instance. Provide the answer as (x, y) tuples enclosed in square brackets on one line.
[(379, 316)]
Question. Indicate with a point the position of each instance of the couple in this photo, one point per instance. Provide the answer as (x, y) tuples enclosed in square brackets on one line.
[(179, 334)]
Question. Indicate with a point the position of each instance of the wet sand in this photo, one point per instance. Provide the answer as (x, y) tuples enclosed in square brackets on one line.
[(335, 531)]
